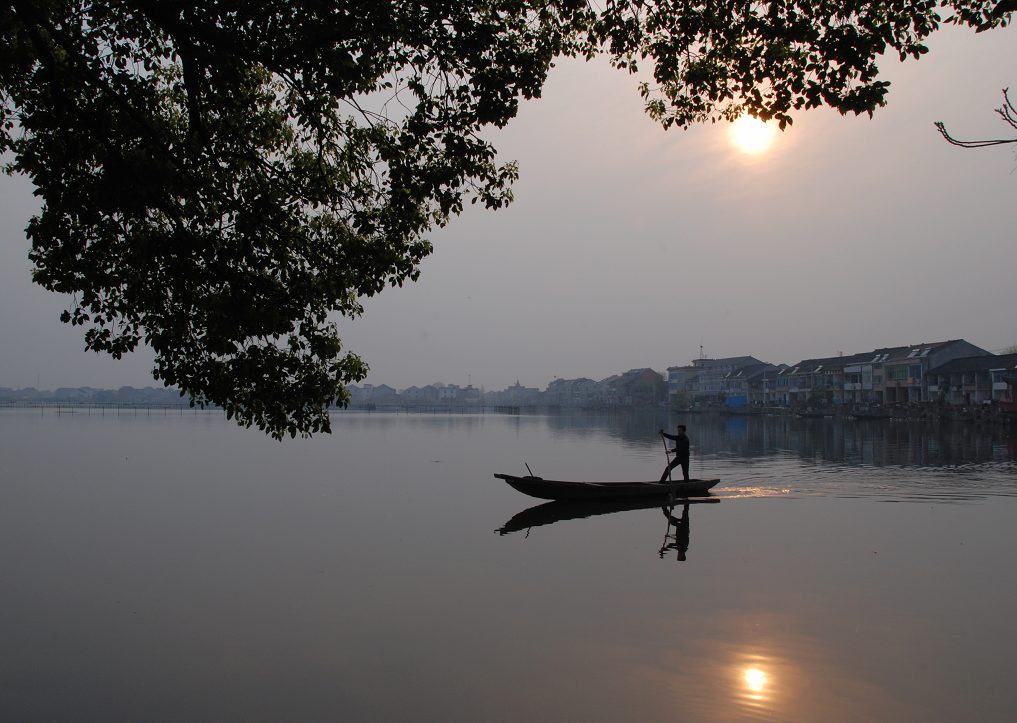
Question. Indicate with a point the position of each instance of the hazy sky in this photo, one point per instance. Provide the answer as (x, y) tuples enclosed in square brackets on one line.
[(628, 246)]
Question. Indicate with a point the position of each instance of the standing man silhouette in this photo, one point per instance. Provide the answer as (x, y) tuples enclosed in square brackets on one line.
[(681, 453)]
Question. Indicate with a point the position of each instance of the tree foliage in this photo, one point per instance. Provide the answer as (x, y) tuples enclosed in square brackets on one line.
[(218, 179)]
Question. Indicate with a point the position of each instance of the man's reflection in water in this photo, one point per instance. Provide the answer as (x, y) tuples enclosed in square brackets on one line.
[(680, 539)]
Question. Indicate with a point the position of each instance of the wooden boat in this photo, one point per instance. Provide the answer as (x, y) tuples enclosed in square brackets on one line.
[(547, 489)]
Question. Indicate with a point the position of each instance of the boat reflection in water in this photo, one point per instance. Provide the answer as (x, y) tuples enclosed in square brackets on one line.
[(563, 510)]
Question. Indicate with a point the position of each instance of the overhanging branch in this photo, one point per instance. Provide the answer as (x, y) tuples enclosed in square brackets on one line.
[(1007, 112)]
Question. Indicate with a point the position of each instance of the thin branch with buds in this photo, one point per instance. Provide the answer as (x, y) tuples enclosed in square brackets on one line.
[(1008, 112)]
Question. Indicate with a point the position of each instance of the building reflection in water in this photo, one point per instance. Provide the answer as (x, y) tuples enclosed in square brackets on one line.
[(876, 443)]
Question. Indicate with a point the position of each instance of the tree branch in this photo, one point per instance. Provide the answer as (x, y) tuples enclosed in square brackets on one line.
[(1007, 112)]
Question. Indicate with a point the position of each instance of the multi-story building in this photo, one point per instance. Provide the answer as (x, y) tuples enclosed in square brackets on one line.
[(581, 392), (904, 371), (469, 395), (419, 395), (891, 375), (372, 394), (863, 378), (635, 387), (705, 378), (775, 385), (678, 380), (517, 394), (745, 384), (974, 380), (447, 392), (832, 380)]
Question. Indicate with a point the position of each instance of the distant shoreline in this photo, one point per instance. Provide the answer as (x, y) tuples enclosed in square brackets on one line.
[(920, 414)]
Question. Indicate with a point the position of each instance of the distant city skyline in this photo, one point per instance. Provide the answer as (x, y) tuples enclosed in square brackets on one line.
[(469, 381)]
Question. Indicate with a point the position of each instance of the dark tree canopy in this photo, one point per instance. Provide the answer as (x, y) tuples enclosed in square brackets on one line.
[(217, 178)]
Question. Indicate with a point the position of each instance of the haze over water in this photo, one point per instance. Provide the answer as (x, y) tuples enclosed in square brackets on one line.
[(175, 567)]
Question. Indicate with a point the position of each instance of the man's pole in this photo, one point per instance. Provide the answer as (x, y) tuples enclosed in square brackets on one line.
[(667, 455)]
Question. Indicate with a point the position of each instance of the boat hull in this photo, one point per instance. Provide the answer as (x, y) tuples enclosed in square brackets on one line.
[(546, 489)]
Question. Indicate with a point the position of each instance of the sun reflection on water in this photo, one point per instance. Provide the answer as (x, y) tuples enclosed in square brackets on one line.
[(751, 491), (755, 682)]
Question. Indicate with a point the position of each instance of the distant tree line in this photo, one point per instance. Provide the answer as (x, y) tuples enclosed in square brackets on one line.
[(632, 388), (150, 396)]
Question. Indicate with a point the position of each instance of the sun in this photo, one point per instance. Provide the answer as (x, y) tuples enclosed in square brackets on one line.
[(752, 135)]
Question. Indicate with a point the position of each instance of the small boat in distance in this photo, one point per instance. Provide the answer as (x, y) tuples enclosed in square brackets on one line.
[(862, 415), (547, 489)]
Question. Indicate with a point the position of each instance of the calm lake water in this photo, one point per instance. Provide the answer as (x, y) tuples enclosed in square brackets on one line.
[(178, 568)]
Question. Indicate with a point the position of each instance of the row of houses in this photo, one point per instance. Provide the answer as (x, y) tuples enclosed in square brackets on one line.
[(636, 387), (953, 372)]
